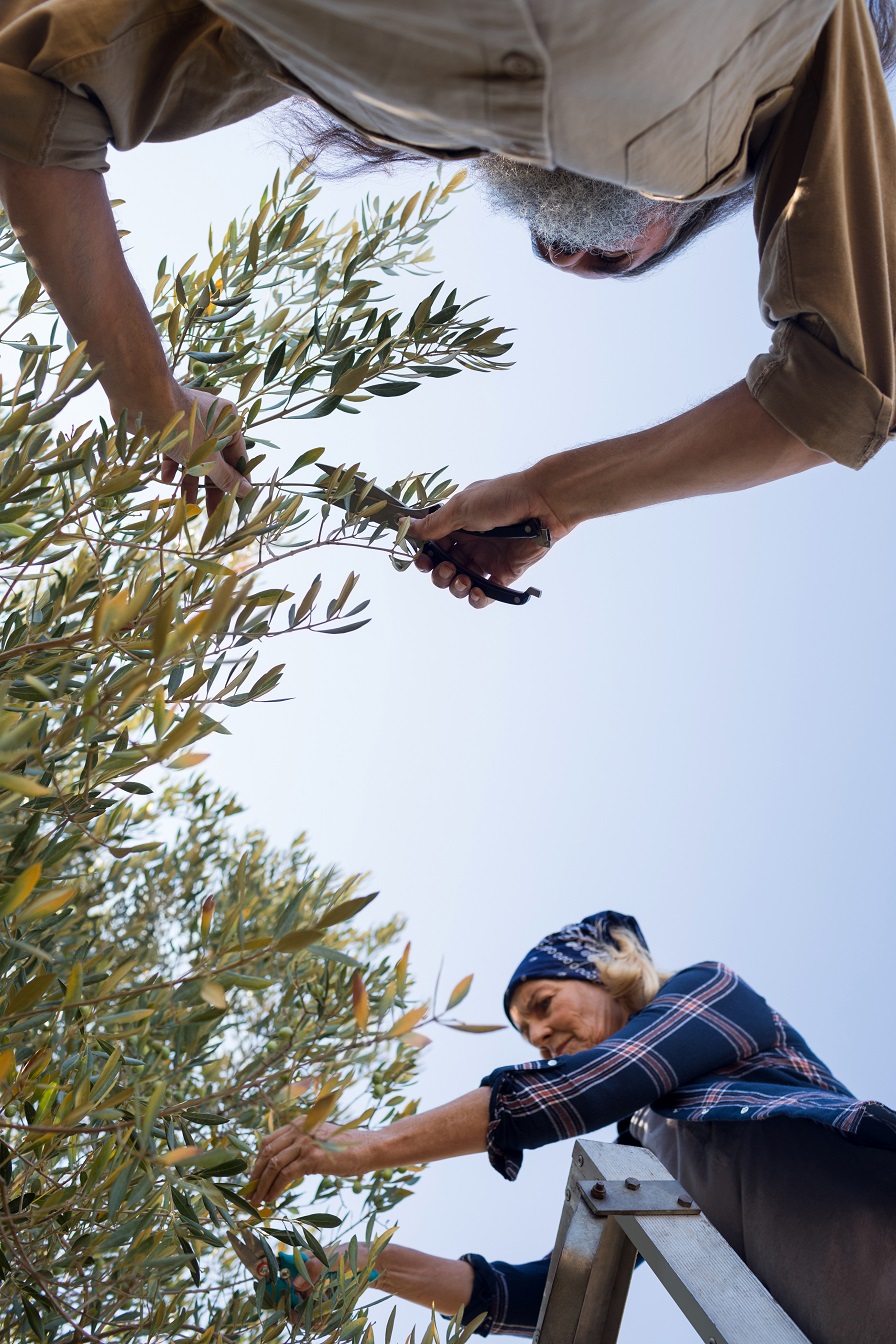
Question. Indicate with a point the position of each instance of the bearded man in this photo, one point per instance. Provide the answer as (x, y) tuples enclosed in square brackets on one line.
[(618, 130)]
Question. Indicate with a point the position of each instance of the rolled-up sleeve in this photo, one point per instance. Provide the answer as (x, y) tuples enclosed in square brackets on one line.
[(827, 237), (508, 1296), (704, 1019), (79, 75)]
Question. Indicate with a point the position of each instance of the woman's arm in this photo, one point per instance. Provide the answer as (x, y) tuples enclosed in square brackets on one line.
[(453, 1130), (507, 1296), (727, 443), (63, 219), (428, 1280)]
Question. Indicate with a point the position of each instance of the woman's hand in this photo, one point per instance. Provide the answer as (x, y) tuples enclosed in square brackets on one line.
[(314, 1269), (290, 1153), (454, 1130)]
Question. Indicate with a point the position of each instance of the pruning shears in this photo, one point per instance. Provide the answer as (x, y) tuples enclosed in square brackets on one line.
[(253, 1251), (385, 510), (282, 1268)]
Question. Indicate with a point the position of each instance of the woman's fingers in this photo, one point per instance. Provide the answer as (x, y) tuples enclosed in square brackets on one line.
[(285, 1157), (281, 1177), (277, 1152), (315, 1270)]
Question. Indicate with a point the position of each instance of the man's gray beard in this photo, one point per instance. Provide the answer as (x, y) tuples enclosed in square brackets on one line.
[(571, 212)]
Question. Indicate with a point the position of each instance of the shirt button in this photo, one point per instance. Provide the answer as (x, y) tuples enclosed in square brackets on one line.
[(552, 1063), (744, 1110), (517, 65)]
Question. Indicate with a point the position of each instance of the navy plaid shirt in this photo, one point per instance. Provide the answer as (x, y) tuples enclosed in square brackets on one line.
[(708, 1047)]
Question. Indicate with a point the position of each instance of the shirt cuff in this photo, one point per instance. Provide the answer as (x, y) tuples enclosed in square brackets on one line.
[(820, 398), (488, 1298), (504, 1157)]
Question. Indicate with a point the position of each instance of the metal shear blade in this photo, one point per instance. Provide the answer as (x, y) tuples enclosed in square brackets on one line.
[(388, 511)]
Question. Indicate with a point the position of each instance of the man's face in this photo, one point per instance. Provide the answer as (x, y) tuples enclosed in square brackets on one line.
[(580, 225)]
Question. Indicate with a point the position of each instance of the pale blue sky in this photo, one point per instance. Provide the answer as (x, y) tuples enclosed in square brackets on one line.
[(695, 723)]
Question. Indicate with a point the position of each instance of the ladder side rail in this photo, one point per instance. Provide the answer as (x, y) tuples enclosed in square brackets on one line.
[(583, 1303)]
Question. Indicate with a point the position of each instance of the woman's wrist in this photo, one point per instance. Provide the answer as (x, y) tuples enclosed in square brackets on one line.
[(454, 1130), (429, 1280)]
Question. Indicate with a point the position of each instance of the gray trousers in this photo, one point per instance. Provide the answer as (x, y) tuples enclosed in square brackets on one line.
[(810, 1212)]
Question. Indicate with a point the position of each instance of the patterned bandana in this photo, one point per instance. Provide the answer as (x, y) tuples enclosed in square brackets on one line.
[(569, 954)]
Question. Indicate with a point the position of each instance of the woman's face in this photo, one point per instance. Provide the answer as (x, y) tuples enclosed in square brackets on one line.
[(560, 1017)]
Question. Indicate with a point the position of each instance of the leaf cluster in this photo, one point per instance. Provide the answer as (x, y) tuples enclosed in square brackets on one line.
[(167, 987)]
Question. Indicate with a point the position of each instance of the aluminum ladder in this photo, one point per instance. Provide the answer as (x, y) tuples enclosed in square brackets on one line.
[(621, 1201)]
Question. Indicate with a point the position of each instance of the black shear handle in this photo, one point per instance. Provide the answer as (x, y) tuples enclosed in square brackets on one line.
[(512, 596), (530, 529)]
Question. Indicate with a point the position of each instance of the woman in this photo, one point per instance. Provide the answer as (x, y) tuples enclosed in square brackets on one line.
[(687, 1065)]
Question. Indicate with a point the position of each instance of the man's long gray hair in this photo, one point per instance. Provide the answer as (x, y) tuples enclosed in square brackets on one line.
[(343, 151)]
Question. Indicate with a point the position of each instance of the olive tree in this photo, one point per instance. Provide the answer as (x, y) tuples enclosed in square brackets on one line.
[(169, 986)]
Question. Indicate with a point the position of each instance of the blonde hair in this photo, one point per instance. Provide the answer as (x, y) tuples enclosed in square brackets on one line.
[(628, 971)]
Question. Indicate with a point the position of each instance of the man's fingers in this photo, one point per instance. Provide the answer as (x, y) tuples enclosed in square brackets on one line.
[(227, 478), (284, 1157), (314, 1269), (224, 476), (449, 518), (443, 574)]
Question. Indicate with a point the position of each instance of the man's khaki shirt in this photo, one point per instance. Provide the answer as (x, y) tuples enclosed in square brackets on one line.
[(682, 98)]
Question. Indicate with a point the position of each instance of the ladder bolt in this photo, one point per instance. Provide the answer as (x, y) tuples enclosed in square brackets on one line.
[(686, 1202), (598, 1190), (631, 1183), (567, 1194), (580, 1160)]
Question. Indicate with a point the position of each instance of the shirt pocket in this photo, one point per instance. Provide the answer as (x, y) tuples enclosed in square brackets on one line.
[(669, 157), (703, 147)]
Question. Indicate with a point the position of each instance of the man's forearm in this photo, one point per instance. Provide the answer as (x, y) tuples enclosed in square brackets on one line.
[(64, 222), (727, 443)]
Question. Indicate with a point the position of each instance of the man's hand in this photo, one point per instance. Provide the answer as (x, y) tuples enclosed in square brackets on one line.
[(63, 219), (226, 474), (727, 443), (290, 1153), (479, 507)]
